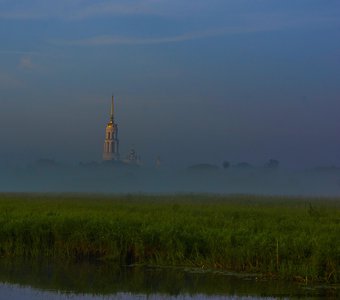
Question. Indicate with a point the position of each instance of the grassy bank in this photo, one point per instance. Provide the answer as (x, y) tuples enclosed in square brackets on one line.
[(291, 238)]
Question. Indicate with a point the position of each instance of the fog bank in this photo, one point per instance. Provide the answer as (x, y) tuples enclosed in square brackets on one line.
[(122, 179)]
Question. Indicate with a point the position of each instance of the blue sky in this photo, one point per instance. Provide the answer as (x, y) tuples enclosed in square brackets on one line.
[(195, 81)]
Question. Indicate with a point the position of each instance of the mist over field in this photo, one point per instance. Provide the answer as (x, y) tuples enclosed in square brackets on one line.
[(195, 82), (201, 178)]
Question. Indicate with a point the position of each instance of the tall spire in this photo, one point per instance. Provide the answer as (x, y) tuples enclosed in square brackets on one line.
[(112, 109)]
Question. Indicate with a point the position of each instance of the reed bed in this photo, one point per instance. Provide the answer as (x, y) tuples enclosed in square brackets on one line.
[(291, 238)]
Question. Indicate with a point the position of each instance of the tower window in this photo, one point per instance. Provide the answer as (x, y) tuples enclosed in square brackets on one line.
[(108, 135)]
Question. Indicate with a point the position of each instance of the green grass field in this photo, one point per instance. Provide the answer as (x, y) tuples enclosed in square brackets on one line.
[(291, 238)]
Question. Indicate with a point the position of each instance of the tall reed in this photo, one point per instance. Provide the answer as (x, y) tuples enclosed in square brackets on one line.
[(275, 236)]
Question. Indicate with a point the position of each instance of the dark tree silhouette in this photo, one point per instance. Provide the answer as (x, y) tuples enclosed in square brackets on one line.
[(226, 164)]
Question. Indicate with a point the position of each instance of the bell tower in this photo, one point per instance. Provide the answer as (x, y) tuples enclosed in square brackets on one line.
[(111, 143)]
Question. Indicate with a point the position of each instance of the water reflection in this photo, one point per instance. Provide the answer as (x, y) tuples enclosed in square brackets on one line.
[(25, 293), (60, 280)]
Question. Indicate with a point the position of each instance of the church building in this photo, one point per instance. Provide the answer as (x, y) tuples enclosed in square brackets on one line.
[(111, 143)]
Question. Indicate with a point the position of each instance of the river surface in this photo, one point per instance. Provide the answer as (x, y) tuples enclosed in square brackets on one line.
[(60, 280)]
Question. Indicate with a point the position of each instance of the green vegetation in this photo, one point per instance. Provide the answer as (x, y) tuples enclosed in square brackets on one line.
[(291, 238)]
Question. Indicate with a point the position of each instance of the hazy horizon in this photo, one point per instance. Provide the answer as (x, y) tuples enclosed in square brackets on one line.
[(194, 81)]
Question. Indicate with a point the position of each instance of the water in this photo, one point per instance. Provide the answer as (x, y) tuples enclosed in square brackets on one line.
[(59, 280), (26, 293), (20, 293)]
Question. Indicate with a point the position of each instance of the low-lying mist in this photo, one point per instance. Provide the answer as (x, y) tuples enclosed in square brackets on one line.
[(120, 178)]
